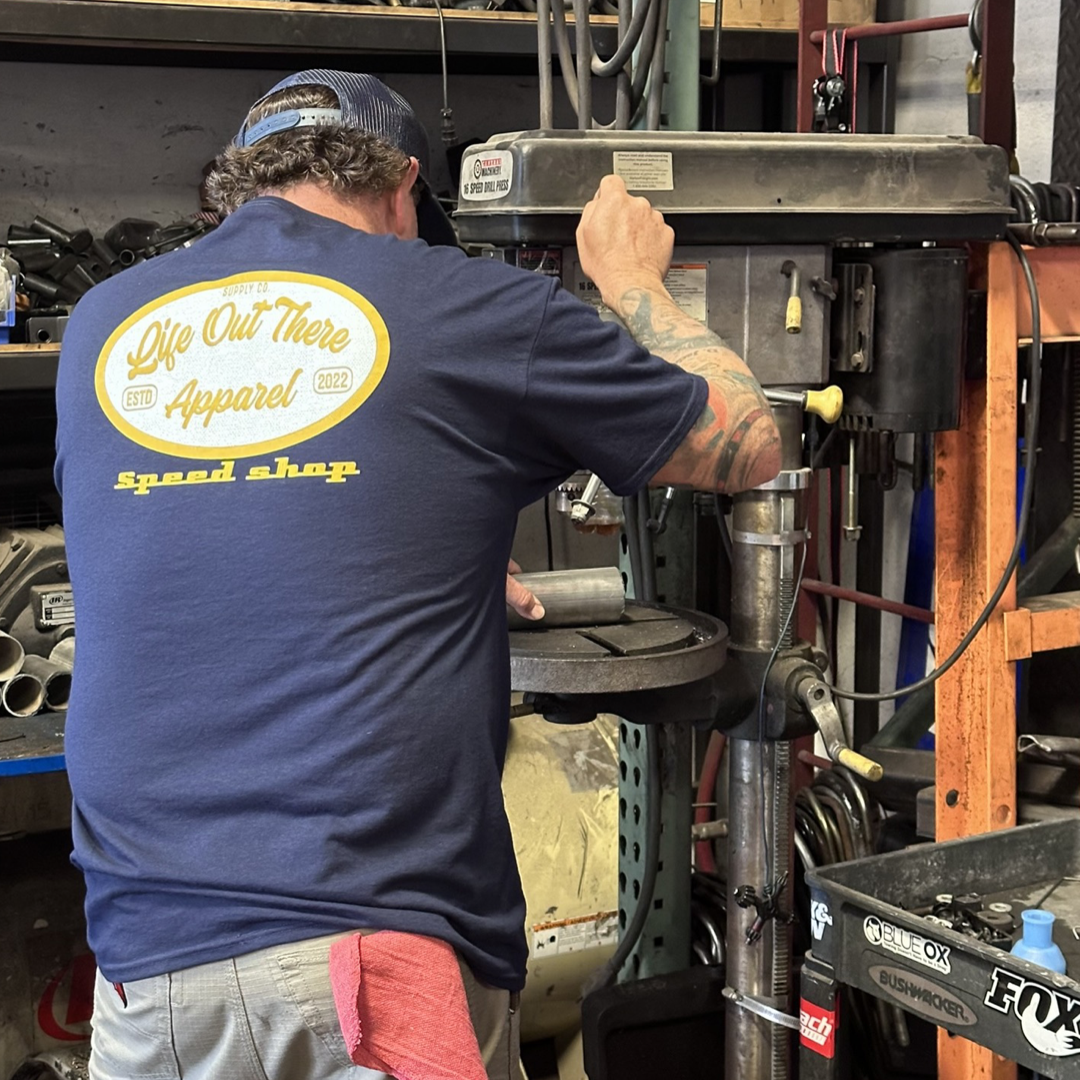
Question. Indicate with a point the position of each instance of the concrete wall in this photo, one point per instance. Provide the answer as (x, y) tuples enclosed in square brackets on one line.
[(931, 95)]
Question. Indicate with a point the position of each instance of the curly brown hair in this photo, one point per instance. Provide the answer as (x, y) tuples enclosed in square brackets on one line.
[(348, 162)]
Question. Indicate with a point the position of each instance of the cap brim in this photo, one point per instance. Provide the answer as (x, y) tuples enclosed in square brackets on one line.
[(432, 223)]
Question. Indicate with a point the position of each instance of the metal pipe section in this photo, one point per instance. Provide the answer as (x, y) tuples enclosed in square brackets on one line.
[(63, 652), (879, 603), (584, 68), (11, 657), (852, 528), (755, 1048), (713, 78), (655, 100), (623, 101), (55, 678), (768, 526), (22, 696), (629, 36), (594, 597), (901, 26), (543, 48)]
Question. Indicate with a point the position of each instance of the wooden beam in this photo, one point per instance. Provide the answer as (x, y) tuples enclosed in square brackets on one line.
[(1018, 635), (975, 711), (1056, 271), (1041, 624)]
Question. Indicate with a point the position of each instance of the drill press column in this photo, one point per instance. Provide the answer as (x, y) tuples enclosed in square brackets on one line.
[(769, 527)]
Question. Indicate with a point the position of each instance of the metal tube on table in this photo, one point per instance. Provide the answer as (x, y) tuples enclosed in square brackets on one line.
[(574, 598), (55, 678), (11, 656), (22, 696)]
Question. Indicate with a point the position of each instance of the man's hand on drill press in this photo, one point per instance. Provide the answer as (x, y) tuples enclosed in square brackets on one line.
[(519, 598), (622, 242)]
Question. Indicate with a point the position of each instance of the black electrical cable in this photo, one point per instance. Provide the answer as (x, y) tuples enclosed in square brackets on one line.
[(448, 134), (630, 936), (1031, 433)]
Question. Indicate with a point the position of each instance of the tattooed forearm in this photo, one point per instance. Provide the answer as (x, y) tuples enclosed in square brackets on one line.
[(734, 444), (661, 326)]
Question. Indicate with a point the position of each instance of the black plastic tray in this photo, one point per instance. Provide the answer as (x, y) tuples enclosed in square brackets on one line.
[(865, 924)]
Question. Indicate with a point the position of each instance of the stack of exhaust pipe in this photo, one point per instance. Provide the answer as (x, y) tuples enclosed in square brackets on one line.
[(29, 684)]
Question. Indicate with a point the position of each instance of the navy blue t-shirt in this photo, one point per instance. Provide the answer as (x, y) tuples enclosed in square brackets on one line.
[(291, 459)]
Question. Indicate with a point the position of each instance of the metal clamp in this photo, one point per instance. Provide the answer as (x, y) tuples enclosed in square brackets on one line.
[(788, 480), (780, 539), (759, 1008)]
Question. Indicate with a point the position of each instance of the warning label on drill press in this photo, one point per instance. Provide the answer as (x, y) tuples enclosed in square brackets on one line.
[(643, 170), (688, 284), (574, 935)]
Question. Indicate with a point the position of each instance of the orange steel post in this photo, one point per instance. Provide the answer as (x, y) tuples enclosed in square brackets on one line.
[(976, 701)]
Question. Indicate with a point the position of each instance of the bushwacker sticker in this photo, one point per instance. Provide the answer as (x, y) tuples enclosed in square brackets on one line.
[(922, 996), (896, 939), (1049, 1019), (245, 365)]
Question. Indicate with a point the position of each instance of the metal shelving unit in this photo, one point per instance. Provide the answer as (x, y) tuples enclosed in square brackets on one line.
[(112, 30), (32, 745), (28, 367)]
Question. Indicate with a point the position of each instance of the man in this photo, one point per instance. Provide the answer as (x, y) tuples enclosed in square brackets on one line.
[(292, 457)]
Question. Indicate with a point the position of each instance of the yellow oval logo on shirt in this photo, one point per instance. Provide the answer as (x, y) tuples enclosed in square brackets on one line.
[(246, 365)]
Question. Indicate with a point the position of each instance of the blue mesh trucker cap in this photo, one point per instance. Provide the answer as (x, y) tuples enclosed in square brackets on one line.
[(365, 104)]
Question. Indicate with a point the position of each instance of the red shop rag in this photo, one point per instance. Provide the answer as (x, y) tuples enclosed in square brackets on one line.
[(401, 1003)]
